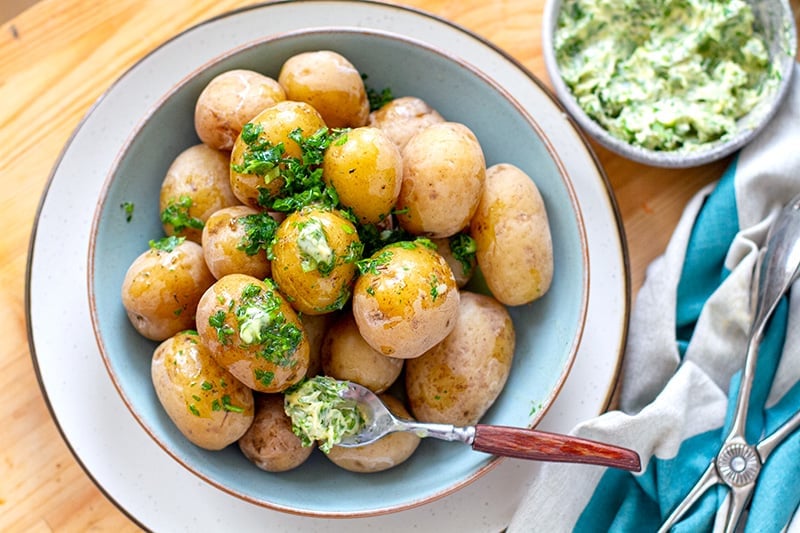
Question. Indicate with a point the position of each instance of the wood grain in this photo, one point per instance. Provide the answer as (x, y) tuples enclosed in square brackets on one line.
[(56, 59)]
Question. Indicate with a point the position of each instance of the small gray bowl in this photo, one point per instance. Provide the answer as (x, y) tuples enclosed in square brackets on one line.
[(773, 19)]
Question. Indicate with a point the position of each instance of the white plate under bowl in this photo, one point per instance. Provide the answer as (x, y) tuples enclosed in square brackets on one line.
[(117, 454)]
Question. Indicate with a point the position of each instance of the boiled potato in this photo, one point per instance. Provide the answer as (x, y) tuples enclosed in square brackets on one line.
[(459, 252), (443, 175), (514, 247), (163, 286), (346, 356), (253, 332), (269, 443), (207, 404), (456, 381), (269, 128), (315, 327), (403, 117), (384, 453), (330, 83), (196, 185), (366, 170), (229, 101), (406, 299), (235, 240), (314, 259)]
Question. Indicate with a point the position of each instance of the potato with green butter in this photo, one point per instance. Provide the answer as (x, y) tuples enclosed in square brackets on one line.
[(514, 247), (252, 331), (206, 402), (405, 300), (314, 257), (456, 381)]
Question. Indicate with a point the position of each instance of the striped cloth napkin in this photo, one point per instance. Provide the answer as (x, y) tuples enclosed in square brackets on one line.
[(683, 363)]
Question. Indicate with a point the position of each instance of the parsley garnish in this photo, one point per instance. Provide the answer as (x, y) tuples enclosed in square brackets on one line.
[(463, 248), (177, 215), (224, 331), (166, 244), (127, 207), (377, 99), (370, 265)]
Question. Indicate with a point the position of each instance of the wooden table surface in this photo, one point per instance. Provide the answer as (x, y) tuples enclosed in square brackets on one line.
[(56, 59)]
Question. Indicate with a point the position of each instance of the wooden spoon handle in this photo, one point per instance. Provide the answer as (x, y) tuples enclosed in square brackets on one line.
[(543, 446)]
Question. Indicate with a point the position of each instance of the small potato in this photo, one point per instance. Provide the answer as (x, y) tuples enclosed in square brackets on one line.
[(315, 327), (346, 356), (272, 126), (514, 246), (443, 175), (314, 260), (406, 301), (163, 286), (328, 82), (196, 185), (253, 332), (270, 443), (366, 170), (207, 404), (235, 241), (384, 453), (229, 101), (403, 117), (459, 252), (460, 378)]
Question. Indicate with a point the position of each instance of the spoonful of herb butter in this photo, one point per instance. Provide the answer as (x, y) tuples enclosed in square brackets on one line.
[(664, 74)]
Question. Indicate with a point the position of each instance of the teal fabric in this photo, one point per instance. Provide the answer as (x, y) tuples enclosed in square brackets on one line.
[(627, 503)]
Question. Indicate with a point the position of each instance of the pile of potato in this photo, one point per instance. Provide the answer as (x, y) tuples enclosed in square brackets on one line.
[(240, 320)]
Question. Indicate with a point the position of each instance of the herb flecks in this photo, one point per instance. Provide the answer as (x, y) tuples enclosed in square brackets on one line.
[(177, 214), (166, 244)]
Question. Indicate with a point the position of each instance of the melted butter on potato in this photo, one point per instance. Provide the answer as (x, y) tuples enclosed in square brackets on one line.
[(253, 332), (405, 300), (456, 381), (512, 235), (206, 402)]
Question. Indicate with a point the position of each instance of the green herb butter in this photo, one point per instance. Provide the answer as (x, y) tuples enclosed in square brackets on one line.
[(663, 74)]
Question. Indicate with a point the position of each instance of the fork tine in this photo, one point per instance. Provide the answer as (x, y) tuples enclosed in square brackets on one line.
[(709, 478)]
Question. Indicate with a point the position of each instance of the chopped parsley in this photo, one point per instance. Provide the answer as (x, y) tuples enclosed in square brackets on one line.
[(463, 248), (259, 230), (261, 322), (177, 215), (370, 265), (166, 244), (127, 208), (319, 413), (377, 99)]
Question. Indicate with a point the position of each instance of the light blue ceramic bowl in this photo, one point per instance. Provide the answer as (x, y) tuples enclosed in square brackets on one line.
[(548, 331)]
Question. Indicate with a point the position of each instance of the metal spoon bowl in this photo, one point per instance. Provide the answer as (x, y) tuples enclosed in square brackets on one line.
[(506, 441)]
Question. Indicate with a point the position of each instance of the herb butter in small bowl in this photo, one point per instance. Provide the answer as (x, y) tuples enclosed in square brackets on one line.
[(675, 83)]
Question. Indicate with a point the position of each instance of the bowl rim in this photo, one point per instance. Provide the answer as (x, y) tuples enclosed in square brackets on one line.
[(491, 462), (712, 151)]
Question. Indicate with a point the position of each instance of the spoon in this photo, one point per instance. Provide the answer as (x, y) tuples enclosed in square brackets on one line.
[(498, 440)]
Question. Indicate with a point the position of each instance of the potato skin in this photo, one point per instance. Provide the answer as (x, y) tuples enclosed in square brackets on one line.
[(314, 260), (366, 170), (222, 240), (346, 356), (443, 165), (161, 289), (328, 82), (269, 443), (403, 117), (201, 174), (512, 235), (456, 381), (408, 302), (257, 363), (276, 123), (229, 101), (207, 404), (384, 453)]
